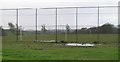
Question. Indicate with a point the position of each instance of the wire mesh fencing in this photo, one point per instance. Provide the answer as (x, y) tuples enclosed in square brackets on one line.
[(68, 24)]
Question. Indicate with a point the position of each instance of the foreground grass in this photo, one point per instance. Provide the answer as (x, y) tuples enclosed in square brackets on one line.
[(0, 48), (28, 50)]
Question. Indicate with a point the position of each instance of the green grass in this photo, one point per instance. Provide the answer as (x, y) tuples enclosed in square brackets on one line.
[(28, 50), (0, 48), (109, 38)]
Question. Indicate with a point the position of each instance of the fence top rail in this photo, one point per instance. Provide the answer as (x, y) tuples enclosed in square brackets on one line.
[(61, 7)]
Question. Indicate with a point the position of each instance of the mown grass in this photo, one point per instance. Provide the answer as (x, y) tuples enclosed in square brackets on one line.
[(29, 50), (0, 48), (108, 38)]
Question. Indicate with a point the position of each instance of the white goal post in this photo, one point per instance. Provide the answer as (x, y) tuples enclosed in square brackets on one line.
[(21, 33)]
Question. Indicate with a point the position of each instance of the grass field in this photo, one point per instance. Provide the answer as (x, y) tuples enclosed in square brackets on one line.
[(29, 50), (0, 48)]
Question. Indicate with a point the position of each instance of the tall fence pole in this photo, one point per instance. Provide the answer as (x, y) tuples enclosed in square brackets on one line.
[(17, 24), (98, 24), (36, 24), (76, 24), (56, 23)]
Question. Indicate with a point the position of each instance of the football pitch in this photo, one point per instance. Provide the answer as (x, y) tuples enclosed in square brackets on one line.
[(29, 50)]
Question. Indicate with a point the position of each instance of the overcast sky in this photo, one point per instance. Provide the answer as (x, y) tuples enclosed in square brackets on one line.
[(66, 16), (54, 3)]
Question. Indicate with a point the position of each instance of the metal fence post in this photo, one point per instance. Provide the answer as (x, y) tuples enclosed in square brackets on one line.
[(56, 23), (76, 24), (98, 24), (36, 23), (17, 24)]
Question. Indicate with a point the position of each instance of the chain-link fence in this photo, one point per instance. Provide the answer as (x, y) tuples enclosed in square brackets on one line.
[(66, 24)]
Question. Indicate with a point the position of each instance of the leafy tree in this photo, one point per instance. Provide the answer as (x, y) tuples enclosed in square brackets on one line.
[(0, 31), (12, 27), (83, 31), (119, 28), (68, 28), (15, 29), (107, 28), (18, 29), (43, 28), (93, 30)]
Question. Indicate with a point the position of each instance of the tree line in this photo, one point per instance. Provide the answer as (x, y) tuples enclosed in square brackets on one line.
[(106, 28)]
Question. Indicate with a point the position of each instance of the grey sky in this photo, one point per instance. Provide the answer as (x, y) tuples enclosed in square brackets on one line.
[(65, 16), (54, 3)]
